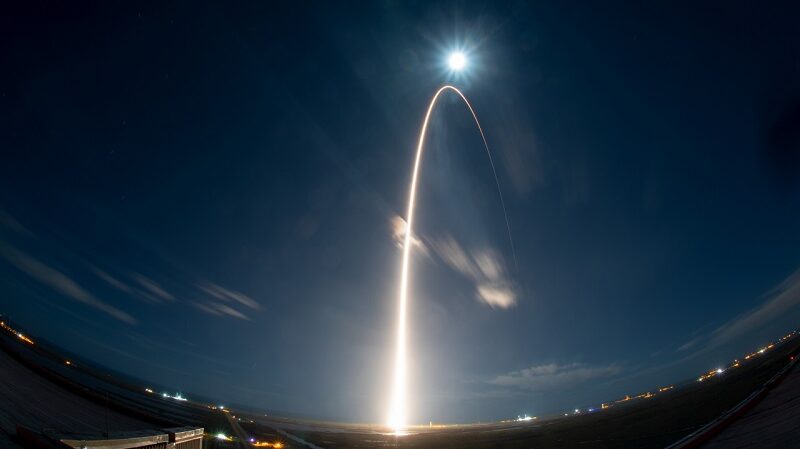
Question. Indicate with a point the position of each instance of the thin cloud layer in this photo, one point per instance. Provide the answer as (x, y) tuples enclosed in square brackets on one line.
[(398, 226), (227, 295), (219, 309), (779, 301), (553, 375), (152, 287), (782, 299), (112, 281), (483, 268), (222, 301), (61, 283), (11, 223), (144, 288)]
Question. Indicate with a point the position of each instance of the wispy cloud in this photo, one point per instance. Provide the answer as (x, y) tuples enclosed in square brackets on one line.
[(228, 295), (497, 295), (230, 311), (60, 282), (689, 344), (397, 226), (779, 301), (111, 280), (152, 287), (144, 288), (206, 308), (221, 301), (11, 223), (219, 309), (483, 267), (553, 375)]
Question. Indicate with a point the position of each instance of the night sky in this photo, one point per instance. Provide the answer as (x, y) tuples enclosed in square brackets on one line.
[(207, 196)]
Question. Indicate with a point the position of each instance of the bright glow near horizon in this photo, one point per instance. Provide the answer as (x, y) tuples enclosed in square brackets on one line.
[(457, 61)]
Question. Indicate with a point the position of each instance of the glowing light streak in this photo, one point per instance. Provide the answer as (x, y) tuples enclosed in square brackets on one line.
[(398, 407), (277, 445), (24, 338)]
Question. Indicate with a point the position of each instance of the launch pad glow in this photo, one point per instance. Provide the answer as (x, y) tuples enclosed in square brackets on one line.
[(399, 407)]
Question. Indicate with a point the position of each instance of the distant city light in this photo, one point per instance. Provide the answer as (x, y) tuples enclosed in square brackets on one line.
[(24, 338)]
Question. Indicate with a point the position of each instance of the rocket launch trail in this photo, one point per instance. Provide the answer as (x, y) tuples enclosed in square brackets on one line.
[(398, 407)]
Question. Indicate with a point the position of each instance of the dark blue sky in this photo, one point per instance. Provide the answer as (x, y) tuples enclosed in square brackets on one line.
[(204, 196)]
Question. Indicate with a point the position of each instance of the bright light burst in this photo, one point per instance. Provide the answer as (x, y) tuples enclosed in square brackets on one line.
[(457, 61)]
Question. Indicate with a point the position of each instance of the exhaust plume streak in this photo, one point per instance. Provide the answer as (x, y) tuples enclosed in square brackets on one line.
[(398, 408)]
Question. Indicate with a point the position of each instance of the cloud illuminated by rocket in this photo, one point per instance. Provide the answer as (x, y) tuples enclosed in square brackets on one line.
[(483, 267)]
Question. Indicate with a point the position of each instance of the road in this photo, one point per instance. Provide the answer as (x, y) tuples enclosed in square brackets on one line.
[(242, 438)]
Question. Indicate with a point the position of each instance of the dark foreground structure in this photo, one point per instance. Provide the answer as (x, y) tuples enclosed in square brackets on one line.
[(178, 438), (42, 407), (47, 401), (33, 407)]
